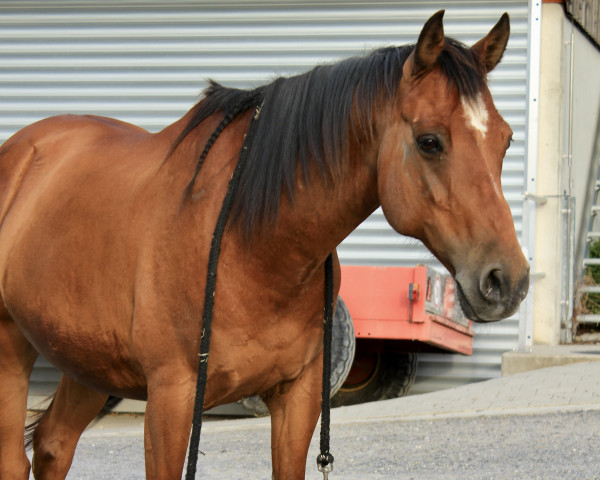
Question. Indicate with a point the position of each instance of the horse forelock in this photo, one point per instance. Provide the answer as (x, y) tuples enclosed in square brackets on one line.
[(462, 69), (308, 121)]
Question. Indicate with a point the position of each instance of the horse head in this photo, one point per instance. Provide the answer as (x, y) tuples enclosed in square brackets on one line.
[(439, 165)]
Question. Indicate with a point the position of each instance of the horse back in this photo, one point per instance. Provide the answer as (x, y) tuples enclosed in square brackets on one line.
[(45, 150)]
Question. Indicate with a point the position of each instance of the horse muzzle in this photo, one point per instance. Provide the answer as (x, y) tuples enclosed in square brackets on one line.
[(493, 294)]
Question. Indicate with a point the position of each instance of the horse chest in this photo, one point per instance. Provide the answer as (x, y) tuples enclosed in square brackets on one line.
[(267, 352)]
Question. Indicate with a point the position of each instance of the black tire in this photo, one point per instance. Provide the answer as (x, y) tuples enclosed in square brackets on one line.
[(343, 346), (377, 376)]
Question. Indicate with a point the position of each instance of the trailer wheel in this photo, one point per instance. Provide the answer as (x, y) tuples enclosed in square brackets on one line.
[(343, 347), (377, 376)]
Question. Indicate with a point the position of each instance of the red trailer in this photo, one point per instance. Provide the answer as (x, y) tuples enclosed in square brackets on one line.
[(396, 312)]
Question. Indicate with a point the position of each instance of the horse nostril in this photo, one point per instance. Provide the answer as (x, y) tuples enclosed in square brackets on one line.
[(491, 285)]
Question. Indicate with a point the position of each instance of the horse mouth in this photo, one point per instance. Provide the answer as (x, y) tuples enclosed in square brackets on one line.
[(467, 309)]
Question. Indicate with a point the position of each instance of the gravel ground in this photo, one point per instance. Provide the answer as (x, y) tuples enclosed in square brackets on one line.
[(564, 445)]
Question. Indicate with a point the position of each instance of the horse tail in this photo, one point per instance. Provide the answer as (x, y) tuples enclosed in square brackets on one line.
[(34, 419), (108, 407)]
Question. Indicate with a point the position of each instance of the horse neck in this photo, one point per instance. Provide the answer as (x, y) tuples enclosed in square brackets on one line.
[(321, 215)]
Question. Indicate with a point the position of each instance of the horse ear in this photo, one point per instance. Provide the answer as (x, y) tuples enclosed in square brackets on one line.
[(489, 49), (430, 44)]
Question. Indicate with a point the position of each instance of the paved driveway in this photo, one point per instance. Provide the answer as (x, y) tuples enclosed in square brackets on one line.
[(542, 425)]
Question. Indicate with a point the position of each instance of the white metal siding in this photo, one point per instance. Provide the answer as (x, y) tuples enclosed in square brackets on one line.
[(146, 62)]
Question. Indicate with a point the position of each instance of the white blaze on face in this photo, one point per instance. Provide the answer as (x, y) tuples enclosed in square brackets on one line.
[(476, 116), (475, 113)]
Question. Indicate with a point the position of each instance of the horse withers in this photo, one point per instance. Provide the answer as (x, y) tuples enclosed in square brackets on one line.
[(104, 240)]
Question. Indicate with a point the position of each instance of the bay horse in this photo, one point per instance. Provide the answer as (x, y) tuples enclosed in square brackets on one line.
[(104, 239)]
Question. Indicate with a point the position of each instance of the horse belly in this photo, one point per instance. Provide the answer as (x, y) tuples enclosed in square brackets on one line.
[(99, 358)]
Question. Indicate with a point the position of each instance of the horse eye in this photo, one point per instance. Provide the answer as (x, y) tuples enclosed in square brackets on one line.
[(429, 144)]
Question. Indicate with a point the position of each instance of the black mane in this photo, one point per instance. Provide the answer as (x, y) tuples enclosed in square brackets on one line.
[(309, 119)]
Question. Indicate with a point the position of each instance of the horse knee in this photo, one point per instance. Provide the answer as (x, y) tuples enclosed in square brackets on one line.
[(52, 452), (56, 435), (50, 460)]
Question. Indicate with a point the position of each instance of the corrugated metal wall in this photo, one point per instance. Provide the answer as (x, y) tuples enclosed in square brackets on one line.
[(145, 62)]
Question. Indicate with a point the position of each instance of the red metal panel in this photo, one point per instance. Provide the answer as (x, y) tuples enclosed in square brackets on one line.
[(378, 300), (381, 293)]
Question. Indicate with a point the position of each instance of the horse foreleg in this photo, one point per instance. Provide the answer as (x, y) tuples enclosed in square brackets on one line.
[(54, 441), (295, 409), (17, 357), (167, 426)]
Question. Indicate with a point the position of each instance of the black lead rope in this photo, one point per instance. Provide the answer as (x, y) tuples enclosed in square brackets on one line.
[(325, 459), (209, 299)]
